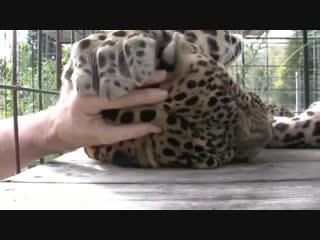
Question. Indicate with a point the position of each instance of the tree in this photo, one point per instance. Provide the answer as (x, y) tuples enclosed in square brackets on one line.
[(27, 69), (270, 70)]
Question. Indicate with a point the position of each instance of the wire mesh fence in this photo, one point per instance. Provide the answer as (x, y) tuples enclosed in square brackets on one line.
[(281, 66), (31, 64)]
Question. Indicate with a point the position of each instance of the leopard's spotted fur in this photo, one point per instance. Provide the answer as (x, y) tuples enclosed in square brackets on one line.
[(207, 121)]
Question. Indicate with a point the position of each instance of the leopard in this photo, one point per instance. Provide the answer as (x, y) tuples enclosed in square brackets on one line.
[(111, 63), (279, 110), (207, 121), (298, 131)]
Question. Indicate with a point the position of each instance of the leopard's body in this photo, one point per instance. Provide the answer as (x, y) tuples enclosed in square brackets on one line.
[(207, 120), (297, 131), (279, 111)]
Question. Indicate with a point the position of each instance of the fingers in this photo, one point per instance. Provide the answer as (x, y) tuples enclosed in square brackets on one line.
[(138, 98), (95, 104), (157, 77), (114, 134)]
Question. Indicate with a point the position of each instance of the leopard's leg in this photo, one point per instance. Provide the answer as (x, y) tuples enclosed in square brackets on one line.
[(109, 66), (125, 64), (81, 69)]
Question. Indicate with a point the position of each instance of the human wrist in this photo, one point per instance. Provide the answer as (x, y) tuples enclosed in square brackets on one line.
[(53, 139)]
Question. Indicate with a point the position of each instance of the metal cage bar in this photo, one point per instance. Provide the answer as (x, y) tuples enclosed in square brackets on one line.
[(40, 67), (32, 75), (72, 37), (40, 74), (59, 59), (34, 90), (306, 69), (15, 100)]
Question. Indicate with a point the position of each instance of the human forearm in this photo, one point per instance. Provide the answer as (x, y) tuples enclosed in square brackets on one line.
[(72, 123), (35, 141)]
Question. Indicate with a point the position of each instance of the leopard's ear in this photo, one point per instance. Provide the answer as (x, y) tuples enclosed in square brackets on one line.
[(177, 54), (233, 48), (175, 50), (221, 45)]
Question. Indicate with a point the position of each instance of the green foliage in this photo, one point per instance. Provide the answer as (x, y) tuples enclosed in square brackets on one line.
[(279, 84), (253, 74), (270, 70), (292, 65), (27, 69)]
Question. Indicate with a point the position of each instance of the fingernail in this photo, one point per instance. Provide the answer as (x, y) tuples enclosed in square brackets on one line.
[(156, 129), (160, 74), (162, 93)]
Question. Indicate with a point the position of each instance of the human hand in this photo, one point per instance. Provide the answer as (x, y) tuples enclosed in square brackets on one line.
[(76, 122)]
